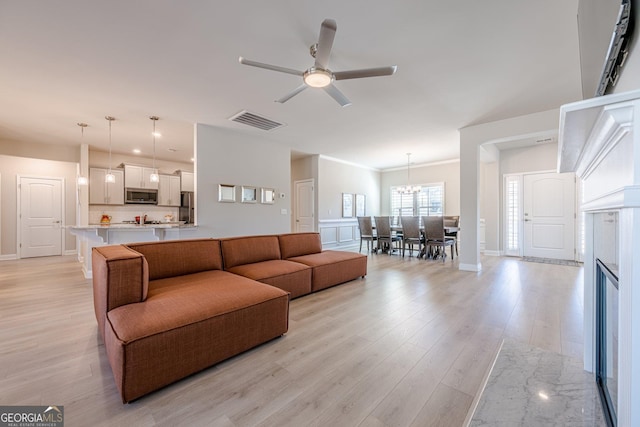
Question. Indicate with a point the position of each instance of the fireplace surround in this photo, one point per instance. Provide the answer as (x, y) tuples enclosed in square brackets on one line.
[(599, 140)]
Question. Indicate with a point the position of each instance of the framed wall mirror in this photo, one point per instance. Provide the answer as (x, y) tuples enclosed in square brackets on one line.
[(249, 194), (226, 193), (268, 195)]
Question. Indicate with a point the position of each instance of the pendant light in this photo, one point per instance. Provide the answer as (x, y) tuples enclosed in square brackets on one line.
[(82, 180), (154, 177), (408, 189), (109, 177)]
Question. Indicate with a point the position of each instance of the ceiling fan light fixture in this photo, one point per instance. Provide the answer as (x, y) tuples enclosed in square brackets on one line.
[(317, 77)]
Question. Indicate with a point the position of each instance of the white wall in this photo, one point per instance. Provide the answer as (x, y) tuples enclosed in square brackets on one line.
[(471, 138), (536, 158), (228, 157), (448, 172), (61, 153), (335, 178), (490, 184), (10, 168)]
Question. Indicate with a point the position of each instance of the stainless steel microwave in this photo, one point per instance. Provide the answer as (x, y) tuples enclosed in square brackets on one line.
[(143, 197)]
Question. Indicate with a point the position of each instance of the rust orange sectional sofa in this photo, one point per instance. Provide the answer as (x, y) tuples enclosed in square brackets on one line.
[(166, 310)]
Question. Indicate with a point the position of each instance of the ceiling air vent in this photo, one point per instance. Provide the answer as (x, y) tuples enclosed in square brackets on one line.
[(250, 119)]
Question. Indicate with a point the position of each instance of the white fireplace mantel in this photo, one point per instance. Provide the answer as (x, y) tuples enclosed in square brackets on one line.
[(599, 140)]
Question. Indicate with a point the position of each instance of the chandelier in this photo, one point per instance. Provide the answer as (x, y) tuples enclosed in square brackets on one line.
[(409, 189)]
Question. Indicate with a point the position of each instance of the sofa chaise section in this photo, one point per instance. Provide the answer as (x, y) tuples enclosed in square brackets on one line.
[(258, 258), (168, 311), (329, 268)]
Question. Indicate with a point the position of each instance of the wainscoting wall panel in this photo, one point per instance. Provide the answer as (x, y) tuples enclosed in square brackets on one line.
[(338, 232)]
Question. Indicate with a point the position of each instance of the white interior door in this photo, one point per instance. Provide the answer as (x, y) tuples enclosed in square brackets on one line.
[(549, 215), (40, 217), (304, 206)]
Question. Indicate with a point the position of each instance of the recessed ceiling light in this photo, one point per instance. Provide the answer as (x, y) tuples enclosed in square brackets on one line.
[(136, 150), (193, 160), (156, 134)]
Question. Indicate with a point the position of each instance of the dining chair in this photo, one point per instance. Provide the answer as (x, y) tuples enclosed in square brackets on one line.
[(411, 234), (383, 232), (366, 232), (452, 221), (434, 235)]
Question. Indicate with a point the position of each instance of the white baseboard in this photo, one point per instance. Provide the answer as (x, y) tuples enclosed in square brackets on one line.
[(470, 267), (8, 257), (70, 252), (492, 253)]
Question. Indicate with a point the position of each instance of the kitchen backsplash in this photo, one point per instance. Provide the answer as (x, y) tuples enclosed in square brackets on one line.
[(129, 212)]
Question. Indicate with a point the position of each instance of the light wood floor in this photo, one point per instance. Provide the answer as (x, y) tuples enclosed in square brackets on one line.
[(407, 346)]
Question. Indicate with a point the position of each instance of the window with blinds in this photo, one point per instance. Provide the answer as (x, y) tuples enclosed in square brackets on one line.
[(428, 201), (513, 213)]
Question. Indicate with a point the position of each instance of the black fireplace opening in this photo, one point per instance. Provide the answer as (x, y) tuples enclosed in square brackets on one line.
[(607, 339)]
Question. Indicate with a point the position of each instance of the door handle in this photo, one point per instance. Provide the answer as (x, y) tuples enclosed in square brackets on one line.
[(56, 222), (526, 219)]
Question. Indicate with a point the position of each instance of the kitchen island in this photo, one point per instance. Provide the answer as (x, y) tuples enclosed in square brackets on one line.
[(94, 235)]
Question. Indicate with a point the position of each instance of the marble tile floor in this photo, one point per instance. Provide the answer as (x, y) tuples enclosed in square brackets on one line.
[(528, 386)]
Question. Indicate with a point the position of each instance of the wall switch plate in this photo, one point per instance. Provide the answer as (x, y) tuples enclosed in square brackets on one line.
[(283, 211)]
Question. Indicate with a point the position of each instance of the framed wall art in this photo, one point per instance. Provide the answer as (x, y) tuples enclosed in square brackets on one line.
[(347, 205), (361, 204), (267, 195), (226, 193), (249, 194)]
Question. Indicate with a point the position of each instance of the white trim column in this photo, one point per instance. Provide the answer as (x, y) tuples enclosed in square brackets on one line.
[(600, 141)]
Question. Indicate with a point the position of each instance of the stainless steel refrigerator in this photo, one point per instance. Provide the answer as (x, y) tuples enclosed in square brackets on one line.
[(187, 202)]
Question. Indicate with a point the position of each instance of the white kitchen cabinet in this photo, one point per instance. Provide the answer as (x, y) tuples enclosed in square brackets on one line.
[(169, 190), (139, 177), (187, 181), (106, 193)]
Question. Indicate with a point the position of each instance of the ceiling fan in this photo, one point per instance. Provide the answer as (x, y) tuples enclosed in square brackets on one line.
[(319, 76)]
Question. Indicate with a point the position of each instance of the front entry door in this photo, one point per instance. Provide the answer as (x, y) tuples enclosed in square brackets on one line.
[(40, 217), (304, 204), (549, 215)]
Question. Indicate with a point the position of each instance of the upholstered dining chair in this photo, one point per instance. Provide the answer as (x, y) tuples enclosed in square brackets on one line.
[(411, 233), (383, 232), (452, 221), (366, 232), (434, 235)]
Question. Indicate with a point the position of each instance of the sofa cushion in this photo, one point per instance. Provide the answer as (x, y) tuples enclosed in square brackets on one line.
[(292, 277), (178, 257), (187, 324), (249, 249), (331, 268), (298, 244)]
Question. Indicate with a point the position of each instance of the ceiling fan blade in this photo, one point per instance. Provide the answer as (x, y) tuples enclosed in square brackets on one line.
[(366, 72), (325, 42), (291, 94), (337, 95), (246, 61)]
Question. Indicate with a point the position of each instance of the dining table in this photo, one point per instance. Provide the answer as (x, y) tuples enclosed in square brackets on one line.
[(398, 228)]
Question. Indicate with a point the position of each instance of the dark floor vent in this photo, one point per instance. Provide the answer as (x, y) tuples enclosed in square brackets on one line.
[(250, 119)]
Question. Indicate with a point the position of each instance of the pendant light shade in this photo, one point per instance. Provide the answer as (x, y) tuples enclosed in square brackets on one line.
[(82, 180), (110, 177), (154, 177)]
